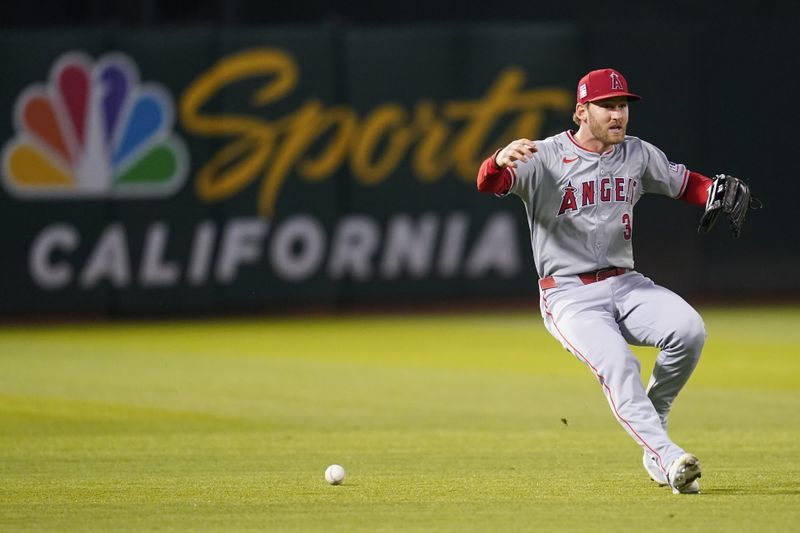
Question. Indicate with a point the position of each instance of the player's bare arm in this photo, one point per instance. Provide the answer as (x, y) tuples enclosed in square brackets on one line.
[(519, 150)]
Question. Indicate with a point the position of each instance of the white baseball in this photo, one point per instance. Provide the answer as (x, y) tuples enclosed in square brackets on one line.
[(334, 474)]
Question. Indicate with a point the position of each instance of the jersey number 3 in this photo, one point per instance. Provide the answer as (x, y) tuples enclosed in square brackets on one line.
[(626, 222)]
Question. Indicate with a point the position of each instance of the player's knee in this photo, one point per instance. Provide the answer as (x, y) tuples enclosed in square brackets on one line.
[(619, 367), (693, 334)]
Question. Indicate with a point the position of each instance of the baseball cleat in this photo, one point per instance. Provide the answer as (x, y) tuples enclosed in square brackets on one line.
[(691, 488), (683, 473)]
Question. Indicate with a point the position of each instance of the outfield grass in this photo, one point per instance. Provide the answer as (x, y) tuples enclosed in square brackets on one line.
[(442, 422)]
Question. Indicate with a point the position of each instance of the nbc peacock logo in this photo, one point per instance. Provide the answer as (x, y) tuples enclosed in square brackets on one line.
[(94, 131)]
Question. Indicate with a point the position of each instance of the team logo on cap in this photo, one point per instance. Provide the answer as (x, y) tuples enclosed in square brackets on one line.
[(616, 84), (94, 131)]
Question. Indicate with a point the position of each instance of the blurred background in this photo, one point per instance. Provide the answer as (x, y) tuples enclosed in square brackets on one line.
[(210, 157)]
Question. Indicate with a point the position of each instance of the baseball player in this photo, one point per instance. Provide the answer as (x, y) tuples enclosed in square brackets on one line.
[(579, 189)]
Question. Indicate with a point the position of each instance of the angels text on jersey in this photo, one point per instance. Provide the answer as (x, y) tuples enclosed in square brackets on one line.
[(617, 189)]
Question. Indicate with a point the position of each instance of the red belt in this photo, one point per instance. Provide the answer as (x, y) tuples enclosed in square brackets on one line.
[(587, 277)]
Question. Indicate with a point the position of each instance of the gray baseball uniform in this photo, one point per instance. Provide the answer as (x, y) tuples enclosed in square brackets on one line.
[(580, 212), (580, 203)]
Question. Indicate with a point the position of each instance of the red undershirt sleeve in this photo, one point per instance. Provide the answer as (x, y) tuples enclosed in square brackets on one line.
[(696, 192), (493, 179)]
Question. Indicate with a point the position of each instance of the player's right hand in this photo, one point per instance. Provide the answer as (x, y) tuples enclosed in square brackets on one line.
[(519, 150)]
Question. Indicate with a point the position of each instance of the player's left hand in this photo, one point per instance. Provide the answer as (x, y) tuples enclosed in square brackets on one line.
[(731, 196)]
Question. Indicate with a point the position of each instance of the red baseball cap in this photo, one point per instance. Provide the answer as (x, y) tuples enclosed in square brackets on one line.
[(603, 83)]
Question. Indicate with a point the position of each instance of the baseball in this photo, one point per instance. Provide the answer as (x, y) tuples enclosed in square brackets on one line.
[(334, 474)]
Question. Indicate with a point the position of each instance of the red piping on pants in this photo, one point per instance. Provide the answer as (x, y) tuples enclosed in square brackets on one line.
[(602, 381)]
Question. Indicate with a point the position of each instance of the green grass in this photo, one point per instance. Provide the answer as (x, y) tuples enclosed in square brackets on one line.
[(442, 422)]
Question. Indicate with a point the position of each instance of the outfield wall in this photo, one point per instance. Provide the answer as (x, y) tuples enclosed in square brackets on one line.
[(203, 170)]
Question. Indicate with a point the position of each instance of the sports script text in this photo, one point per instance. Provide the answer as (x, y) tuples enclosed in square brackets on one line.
[(443, 138)]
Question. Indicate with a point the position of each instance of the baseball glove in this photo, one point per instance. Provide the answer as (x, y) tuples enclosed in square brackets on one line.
[(731, 196)]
